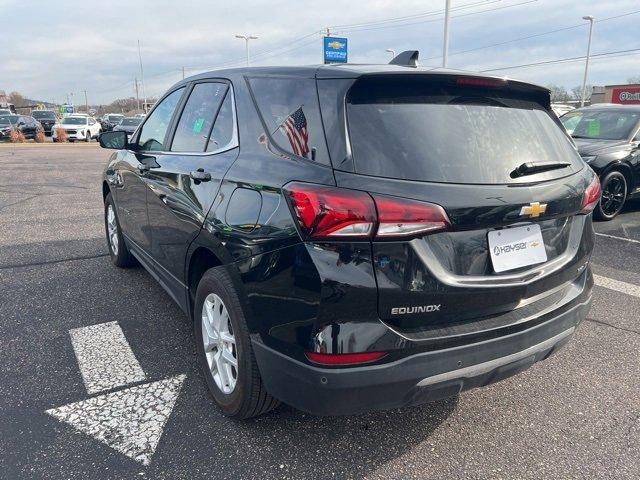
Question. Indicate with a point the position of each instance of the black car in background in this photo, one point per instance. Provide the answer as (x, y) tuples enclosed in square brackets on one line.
[(356, 237), (608, 139), (47, 119), (128, 125), (29, 126), (110, 120)]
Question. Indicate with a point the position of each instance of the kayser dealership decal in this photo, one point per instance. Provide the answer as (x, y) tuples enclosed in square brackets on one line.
[(628, 95)]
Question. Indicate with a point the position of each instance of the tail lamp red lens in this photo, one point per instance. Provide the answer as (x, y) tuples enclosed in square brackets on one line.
[(591, 195), (344, 358), (334, 213), (329, 212), (402, 217)]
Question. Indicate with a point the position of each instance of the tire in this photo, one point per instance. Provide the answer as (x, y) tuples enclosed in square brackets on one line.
[(248, 396), (614, 196), (87, 136), (118, 251)]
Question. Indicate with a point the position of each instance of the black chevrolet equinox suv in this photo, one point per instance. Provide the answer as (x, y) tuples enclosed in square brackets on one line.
[(357, 237)]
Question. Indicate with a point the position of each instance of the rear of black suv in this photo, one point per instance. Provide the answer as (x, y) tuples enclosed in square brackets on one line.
[(451, 252)]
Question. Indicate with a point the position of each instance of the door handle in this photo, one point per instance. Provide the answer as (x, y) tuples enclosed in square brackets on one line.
[(200, 175)]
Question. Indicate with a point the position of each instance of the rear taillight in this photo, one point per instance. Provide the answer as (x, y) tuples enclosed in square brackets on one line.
[(331, 212), (402, 217), (344, 358), (591, 196), (334, 213)]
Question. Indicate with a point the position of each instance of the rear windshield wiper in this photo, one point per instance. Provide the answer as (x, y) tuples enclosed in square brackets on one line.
[(529, 168)]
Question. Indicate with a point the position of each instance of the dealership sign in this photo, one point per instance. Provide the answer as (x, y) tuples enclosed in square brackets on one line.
[(626, 96), (335, 50)]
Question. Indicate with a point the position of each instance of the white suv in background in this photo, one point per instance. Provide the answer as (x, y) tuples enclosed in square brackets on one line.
[(78, 127)]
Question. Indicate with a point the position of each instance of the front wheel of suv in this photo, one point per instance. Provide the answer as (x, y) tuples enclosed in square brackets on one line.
[(118, 251), (614, 194), (224, 349)]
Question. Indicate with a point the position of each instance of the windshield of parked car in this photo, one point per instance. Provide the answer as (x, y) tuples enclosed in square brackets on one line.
[(114, 118), (601, 124), (8, 119), (415, 129), (130, 122), (74, 121), (42, 115)]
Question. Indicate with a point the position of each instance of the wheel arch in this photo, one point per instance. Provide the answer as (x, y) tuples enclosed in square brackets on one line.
[(105, 190)]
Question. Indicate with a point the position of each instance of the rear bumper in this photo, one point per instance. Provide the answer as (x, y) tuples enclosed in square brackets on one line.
[(413, 380)]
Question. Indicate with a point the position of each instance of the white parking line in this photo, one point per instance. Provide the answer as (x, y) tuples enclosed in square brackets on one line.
[(105, 358), (617, 285), (617, 238)]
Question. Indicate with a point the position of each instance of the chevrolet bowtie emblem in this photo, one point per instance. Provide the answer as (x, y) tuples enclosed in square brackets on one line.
[(534, 209)]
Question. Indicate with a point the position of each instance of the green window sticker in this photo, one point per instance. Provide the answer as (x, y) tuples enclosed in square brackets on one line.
[(593, 128), (197, 125)]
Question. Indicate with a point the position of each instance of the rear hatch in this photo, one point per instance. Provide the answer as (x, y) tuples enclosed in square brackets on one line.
[(491, 153)]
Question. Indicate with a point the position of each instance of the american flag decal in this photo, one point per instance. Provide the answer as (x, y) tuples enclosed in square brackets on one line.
[(295, 128)]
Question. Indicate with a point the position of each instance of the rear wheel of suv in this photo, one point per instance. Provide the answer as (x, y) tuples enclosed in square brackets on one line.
[(120, 255), (224, 349), (614, 194)]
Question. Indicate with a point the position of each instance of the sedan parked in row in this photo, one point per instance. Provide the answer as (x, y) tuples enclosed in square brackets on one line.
[(109, 121), (78, 127), (608, 139), (128, 125), (25, 124), (47, 119)]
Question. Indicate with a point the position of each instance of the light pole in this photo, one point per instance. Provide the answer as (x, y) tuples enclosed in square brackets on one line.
[(246, 39), (445, 43), (586, 65), (392, 52)]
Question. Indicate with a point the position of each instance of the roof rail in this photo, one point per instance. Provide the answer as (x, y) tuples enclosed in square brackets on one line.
[(408, 58)]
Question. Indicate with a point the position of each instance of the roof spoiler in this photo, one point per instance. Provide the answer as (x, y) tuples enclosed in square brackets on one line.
[(408, 58)]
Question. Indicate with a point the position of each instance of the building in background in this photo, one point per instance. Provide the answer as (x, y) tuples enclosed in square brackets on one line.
[(626, 94)]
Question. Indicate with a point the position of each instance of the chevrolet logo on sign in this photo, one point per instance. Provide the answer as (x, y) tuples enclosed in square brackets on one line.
[(335, 45), (534, 209)]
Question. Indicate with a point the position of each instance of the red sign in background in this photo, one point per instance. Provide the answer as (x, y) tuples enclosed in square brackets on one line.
[(626, 96)]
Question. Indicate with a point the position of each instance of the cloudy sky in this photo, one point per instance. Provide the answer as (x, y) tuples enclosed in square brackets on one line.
[(55, 48)]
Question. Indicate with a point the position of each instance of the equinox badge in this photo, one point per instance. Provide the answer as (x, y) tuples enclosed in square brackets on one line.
[(534, 209)]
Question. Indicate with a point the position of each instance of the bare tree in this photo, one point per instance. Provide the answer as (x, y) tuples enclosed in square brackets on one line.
[(635, 79), (576, 92), (559, 93)]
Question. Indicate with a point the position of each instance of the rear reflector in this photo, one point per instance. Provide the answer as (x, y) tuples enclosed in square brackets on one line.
[(344, 358), (591, 195), (337, 213), (402, 217)]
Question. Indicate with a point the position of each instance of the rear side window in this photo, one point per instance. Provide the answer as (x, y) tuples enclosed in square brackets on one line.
[(197, 117), (155, 128), (222, 133), (289, 108), (414, 129)]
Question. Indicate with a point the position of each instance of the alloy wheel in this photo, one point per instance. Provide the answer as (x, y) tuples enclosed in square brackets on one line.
[(112, 229), (613, 195), (219, 343)]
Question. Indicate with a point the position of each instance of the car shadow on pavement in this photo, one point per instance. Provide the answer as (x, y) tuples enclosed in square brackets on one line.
[(347, 446)]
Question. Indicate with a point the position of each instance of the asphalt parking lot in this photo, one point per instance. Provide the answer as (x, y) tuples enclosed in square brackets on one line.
[(577, 415)]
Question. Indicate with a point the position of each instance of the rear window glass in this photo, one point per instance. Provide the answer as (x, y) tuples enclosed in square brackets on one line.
[(289, 108), (413, 129)]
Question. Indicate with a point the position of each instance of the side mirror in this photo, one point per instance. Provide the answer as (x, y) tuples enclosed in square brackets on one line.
[(116, 140)]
